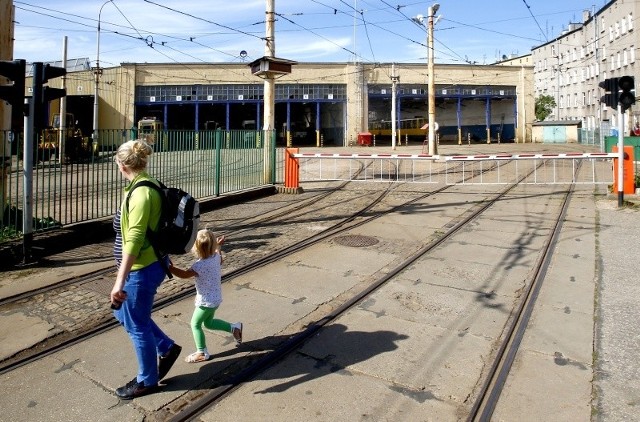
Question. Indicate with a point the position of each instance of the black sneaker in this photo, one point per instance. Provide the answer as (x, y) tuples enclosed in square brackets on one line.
[(135, 389), (167, 361)]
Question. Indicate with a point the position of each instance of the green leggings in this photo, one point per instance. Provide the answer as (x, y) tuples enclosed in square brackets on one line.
[(203, 315)]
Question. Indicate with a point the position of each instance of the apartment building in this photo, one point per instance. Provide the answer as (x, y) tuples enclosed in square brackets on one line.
[(570, 67)]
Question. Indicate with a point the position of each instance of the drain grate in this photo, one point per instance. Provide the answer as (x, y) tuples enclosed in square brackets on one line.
[(356, 240)]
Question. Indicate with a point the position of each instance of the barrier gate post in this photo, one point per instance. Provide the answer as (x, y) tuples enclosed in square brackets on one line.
[(291, 171)]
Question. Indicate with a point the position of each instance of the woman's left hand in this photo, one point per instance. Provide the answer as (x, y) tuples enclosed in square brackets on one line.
[(118, 295)]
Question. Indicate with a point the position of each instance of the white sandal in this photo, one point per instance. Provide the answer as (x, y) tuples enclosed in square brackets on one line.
[(198, 356)]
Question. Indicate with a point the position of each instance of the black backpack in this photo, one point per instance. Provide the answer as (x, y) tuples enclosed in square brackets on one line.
[(178, 225)]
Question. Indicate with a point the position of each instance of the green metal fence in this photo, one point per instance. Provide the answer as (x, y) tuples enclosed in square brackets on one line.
[(88, 186), (589, 136)]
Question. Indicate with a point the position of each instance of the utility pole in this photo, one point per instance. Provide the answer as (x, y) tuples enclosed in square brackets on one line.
[(269, 80), (62, 133), (433, 150), (6, 134), (394, 82), (269, 90), (269, 67)]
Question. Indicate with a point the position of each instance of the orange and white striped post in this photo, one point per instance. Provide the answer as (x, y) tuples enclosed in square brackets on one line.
[(291, 169)]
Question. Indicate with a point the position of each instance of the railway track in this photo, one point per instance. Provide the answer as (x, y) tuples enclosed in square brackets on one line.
[(489, 393), (173, 294), (259, 361)]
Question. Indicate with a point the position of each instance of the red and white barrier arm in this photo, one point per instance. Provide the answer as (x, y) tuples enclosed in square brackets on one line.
[(545, 156), (369, 156)]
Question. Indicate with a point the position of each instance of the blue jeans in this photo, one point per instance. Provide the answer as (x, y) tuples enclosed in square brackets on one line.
[(149, 341)]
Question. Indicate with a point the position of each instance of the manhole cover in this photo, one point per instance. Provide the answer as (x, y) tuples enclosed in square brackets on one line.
[(101, 285), (356, 240)]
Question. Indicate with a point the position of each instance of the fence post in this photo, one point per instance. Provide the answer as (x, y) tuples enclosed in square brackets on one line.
[(218, 140)]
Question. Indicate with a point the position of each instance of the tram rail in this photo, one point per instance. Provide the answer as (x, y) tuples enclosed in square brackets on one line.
[(288, 212), (222, 387), (487, 397)]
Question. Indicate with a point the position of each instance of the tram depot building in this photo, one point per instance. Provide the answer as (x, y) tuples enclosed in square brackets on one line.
[(316, 104)]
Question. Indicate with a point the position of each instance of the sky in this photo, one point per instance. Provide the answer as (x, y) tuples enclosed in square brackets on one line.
[(369, 31)]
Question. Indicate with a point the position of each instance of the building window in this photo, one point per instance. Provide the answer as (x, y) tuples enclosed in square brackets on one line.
[(619, 60), (612, 65), (630, 21), (625, 58), (610, 34), (632, 54), (623, 26), (617, 30)]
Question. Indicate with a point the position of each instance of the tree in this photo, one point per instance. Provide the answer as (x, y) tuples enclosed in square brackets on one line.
[(544, 106)]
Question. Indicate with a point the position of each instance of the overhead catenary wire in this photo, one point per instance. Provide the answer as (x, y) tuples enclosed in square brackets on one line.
[(383, 23)]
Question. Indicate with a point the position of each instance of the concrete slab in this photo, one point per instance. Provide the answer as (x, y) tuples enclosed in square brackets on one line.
[(423, 215), (454, 310), (545, 390), (422, 357), (60, 392), (570, 284), (28, 278), (32, 331), (320, 272), (312, 390), (261, 313), (566, 336), (488, 279)]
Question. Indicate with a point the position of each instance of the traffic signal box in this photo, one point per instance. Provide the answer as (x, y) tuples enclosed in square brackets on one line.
[(14, 93), (39, 106), (618, 91), (626, 97), (610, 97)]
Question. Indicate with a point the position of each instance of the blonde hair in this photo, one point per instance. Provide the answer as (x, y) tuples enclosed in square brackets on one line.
[(133, 155), (206, 244)]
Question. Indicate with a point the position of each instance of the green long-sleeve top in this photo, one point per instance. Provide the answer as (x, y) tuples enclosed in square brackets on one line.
[(145, 206)]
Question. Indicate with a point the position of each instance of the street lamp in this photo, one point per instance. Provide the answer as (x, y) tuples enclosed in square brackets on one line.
[(97, 73), (433, 149)]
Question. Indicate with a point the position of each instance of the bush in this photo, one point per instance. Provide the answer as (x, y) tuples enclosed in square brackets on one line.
[(11, 227)]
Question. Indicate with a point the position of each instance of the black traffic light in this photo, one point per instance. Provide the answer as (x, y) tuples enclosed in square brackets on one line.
[(51, 72), (610, 98), (39, 107), (13, 94), (626, 97)]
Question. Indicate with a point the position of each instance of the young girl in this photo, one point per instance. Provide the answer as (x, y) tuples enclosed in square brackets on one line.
[(207, 272)]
